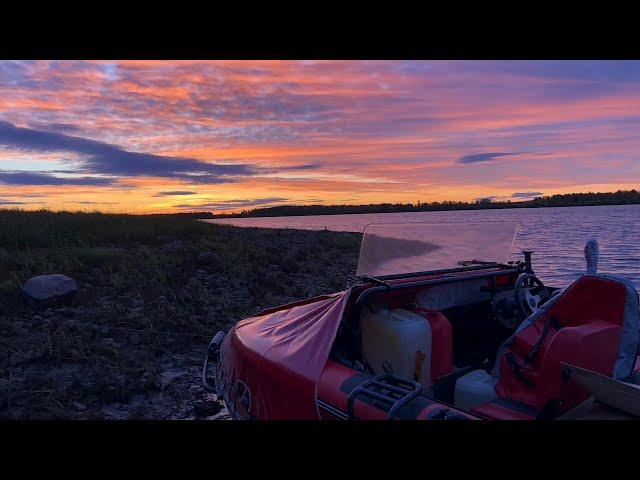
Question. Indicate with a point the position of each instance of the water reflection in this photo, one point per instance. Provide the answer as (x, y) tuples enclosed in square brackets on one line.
[(389, 249)]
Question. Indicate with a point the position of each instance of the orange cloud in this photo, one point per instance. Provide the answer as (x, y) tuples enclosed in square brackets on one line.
[(368, 131)]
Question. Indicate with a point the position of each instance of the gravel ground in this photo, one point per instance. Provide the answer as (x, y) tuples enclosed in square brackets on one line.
[(131, 343)]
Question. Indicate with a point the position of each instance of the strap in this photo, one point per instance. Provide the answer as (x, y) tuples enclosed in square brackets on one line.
[(516, 368), (533, 353)]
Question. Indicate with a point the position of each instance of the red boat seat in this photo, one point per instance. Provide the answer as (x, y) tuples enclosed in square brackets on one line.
[(592, 324), (593, 346)]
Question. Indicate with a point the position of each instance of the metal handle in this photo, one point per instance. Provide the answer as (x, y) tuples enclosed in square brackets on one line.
[(213, 353)]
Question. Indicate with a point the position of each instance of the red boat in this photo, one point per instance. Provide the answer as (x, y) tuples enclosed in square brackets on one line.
[(442, 326)]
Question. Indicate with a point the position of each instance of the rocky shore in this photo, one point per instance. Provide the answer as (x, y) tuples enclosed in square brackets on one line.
[(129, 342)]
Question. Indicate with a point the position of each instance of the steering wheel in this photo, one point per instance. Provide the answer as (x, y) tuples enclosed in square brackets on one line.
[(530, 294)]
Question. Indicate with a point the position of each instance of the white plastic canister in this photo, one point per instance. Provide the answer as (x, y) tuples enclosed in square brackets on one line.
[(474, 389), (399, 342)]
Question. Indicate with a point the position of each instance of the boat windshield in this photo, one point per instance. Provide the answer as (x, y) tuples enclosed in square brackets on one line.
[(394, 249)]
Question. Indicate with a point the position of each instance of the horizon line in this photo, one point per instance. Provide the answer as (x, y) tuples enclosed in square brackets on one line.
[(477, 202)]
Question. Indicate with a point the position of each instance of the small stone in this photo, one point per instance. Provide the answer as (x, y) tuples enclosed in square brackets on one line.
[(37, 318), (137, 302), (202, 408), (15, 360), (209, 258), (173, 246), (169, 376), (80, 407), (66, 312)]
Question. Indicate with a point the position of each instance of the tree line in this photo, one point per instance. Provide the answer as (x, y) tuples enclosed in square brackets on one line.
[(621, 197)]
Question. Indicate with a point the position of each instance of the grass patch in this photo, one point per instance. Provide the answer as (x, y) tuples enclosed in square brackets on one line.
[(46, 229), (144, 300)]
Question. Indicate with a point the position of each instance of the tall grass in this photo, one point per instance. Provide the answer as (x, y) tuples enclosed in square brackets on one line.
[(21, 229), (44, 242), (156, 255)]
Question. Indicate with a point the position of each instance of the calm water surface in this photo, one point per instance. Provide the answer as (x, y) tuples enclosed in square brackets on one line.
[(556, 235)]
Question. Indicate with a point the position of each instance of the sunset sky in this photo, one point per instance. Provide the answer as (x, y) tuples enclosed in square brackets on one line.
[(159, 136)]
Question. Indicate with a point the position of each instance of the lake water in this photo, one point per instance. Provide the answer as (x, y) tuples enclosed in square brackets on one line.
[(556, 235)]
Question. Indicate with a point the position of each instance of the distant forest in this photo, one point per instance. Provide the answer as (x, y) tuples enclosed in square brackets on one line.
[(621, 197)]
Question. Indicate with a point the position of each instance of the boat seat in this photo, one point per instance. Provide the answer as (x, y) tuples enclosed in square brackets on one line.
[(592, 324), (592, 346)]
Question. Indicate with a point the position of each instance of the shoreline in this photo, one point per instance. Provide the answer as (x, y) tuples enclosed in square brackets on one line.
[(132, 342), (237, 217)]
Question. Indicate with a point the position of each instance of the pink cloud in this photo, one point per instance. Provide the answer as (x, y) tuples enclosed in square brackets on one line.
[(357, 122)]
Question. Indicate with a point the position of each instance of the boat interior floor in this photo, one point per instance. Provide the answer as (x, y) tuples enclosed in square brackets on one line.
[(475, 338)]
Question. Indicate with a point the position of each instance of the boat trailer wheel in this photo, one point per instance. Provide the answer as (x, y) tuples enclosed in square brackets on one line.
[(530, 293)]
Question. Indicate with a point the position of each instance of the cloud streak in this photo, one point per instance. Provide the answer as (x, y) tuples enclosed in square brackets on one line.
[(89, 202), (483, 157), (175, 193), (32, 178), (527, 194), (106, 159), (232, 204)]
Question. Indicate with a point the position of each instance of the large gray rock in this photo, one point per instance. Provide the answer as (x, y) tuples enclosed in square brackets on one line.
[(47, 289)]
